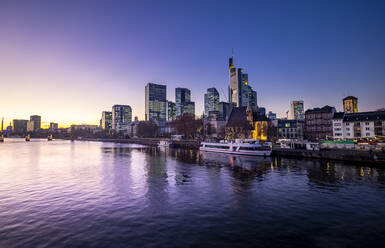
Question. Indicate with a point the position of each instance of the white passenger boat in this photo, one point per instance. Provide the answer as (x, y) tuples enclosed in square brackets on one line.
[(240, 147)]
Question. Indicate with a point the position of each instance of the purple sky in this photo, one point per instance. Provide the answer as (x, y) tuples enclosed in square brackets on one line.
[(70, 60)]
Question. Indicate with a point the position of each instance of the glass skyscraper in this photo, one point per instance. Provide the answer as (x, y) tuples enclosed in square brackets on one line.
[(240, 92), (121, 117), (211, 100), (297, 110), (171, 111), (156, 102), (183, 103), (106, 120)]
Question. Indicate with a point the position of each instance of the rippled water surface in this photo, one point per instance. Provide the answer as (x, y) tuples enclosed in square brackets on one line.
[(90, 194)]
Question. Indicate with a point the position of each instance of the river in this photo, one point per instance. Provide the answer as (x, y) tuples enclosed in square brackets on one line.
[(93, 194)]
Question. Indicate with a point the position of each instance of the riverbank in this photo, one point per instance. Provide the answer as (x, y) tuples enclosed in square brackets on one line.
[(364, 156)]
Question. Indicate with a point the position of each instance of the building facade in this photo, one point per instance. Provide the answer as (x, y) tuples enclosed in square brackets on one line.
[(211, 100), (350, 104), (171, 108), (297, 110), (121, 117), (319, 123), (36, 119), (289, 129), (183, 103), (106, 123), (156, 103), (358, 125), (19, 126), (53, 127), (240, 92)]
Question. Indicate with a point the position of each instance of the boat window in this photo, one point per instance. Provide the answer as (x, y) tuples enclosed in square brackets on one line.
[(217, 146)]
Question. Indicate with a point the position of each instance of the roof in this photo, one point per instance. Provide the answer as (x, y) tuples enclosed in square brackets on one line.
[(338, 115), (325, 109), (365, 116), (350, 97), (237, 116)]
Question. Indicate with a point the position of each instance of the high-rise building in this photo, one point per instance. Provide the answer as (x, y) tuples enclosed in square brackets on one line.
[(121, 117), (297, 110), (171, 111), (106, 123), (350, 104), (183, 103), (19, 126), (271, 115), (36, 119), (156, 102), (211, 100), (53, 126), (240, 92)]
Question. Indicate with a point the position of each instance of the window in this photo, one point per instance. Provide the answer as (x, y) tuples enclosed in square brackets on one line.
[(347, 124), (367, 129), (367, 134), (348, 134), (347, 129), (367, 123)]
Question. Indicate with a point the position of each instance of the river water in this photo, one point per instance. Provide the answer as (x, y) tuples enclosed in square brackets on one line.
[(91, 194)]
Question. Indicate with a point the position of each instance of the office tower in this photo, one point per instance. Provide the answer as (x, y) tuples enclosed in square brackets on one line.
[(211, 100), (121, 117), (224, 109), (240, 92), (53, 126), (350, 104), (183, 103), (296, 110), (156, 102), (36, 119), (19, 126), (272, 115), (106, 122), (171, 110)]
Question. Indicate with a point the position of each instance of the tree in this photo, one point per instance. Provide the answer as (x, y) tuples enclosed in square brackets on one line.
[(147, 129), (188, 126)]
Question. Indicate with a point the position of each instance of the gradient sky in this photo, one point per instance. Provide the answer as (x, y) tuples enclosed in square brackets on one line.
[(70, 60)]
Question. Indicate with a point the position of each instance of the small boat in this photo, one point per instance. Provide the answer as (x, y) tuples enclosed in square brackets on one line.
[(2, 138), (240, 146), (28, 138), (50, 138), (164, 143)]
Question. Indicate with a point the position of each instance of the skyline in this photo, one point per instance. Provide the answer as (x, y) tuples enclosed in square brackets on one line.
[(70, 61)]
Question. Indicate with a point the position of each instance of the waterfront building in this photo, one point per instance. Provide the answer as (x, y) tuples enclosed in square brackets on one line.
[(36, 119), (171, 114), (224, 109), (246, 123), (183, 103), (156, 103), (211, 100), (240, 92), (358, 125), (272, 115), (19, 126), (53, 127), (30, 126), (318, 123), (296, 110), (289, 129), (350, 104), (121, 117), (106, 122)]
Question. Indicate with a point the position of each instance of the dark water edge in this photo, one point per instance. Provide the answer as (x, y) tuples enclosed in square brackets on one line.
[(90, 194)]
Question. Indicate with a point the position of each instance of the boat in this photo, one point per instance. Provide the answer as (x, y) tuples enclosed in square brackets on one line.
[(50, 137), (164, 143), (240, 147), (2, 138), (28, 138)]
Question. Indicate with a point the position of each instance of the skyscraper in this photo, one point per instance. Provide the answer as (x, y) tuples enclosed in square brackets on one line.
[(297, 110), (350, 104), (106, 120), (36, 119), (211, 100), (183, 103), (156, 102), (170, 111), (240, 92), (19, 126), (121, 117)]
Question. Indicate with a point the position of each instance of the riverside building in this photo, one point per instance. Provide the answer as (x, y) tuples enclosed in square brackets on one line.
[(156, 103), (121, 117)]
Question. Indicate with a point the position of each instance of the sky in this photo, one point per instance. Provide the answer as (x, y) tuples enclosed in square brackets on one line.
[(70, 60)]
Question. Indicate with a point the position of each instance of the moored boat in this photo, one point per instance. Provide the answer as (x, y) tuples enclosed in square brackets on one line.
[(50, 137), (2, 138), (28, 137), (240, 146)]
